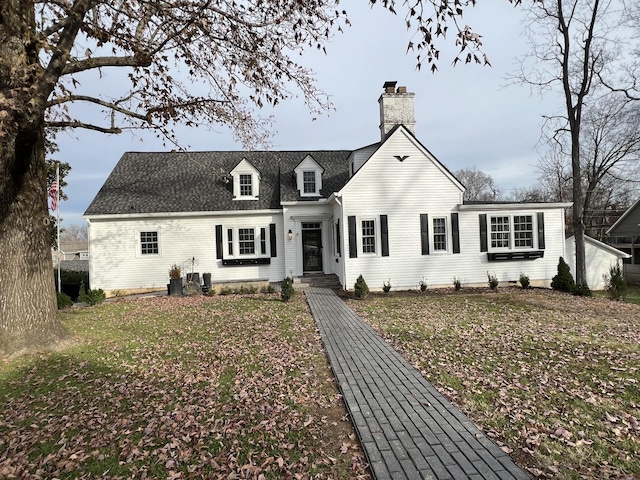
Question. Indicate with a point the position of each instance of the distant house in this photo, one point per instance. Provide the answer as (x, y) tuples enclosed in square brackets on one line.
[(625, 235), (390, 211), (599, 257), (72, 255)]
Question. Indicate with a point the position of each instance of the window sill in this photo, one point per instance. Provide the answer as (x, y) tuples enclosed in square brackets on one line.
[(246, 261), (511, 256)]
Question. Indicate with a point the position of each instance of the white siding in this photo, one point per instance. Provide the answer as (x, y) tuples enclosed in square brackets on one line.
[(472, 266), (598, 259), (419, 185), (116, 262)]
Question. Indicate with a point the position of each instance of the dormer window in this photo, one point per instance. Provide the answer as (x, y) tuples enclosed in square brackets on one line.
[(309, 182), (246, 181), (308, 176), (246, 185)]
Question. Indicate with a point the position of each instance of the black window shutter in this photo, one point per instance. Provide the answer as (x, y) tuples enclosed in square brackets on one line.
[(272, 240), (384, 233), (353, 246), (424, 233), (338, 238), (218, 242), (455, 232), (483, 233), (541, 230)]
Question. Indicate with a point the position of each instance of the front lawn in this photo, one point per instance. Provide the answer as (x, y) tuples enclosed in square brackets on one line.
[(555, 379), (199, 387)]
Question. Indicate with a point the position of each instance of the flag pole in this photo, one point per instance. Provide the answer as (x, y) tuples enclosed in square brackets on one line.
[(58, 222)]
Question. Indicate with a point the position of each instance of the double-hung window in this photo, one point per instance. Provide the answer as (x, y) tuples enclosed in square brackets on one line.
[(523, 231), (309, 182), (500, 232), (149, 243), (368, 236), (246, 241), (246, 185), (440, 234)]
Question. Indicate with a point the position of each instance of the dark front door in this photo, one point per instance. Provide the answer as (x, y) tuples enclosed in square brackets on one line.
[(312, 250)]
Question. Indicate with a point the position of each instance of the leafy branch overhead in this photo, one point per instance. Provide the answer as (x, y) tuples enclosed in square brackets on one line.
[(431, 20), (233, 58)]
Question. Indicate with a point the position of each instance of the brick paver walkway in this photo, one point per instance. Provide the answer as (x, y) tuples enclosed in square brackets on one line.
[(407, 429)]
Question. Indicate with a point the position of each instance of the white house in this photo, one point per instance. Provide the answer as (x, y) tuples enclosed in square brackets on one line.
[(389, 211)]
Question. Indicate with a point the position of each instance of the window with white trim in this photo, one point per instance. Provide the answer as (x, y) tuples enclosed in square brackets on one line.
[(149, 244), (246, 184), (500, 232), (523, 231), (309, 182), (368, 236), (246, 241), (440, 234)]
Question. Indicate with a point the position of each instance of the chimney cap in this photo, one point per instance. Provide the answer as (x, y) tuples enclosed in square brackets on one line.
[(389, 84)]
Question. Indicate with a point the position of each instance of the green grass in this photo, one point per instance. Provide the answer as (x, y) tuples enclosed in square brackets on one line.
[(633, 295), (201, 386), (553, 377)]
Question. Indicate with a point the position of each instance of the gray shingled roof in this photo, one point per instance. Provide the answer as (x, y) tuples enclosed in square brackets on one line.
[(161, 182)]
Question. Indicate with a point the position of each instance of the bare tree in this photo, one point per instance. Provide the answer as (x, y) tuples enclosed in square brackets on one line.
[(236, 57), (73, 233), (480, 186), (574, 45), (610, 152)]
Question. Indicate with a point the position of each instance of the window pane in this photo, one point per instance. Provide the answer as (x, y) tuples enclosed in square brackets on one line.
[(523, 231), (263, 241), (149, 243), (368, 236), (440, 234), (230, 240), (245, 185), (309, 182), (500, 232), (246, 240)]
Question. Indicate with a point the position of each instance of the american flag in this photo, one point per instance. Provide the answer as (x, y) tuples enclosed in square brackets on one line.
[(53, 194)]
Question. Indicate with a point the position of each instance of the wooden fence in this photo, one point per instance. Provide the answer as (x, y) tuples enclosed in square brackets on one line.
[(632, 273)]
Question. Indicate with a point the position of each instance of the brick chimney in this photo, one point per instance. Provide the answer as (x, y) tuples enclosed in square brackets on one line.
[(396, 107)]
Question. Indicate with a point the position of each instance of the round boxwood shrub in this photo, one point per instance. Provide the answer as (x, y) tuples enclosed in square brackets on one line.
[(286, 289), (64, 300)]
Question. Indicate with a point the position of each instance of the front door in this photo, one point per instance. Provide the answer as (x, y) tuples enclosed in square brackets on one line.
[(312, 250)]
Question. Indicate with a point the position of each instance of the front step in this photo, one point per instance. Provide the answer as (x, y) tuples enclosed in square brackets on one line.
[(316, 280)]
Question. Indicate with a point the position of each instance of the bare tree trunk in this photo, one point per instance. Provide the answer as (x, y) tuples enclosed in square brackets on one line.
[(578, 209), (28, 309)]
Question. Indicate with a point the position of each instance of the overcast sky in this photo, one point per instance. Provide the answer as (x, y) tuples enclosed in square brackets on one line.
[(466, 116)]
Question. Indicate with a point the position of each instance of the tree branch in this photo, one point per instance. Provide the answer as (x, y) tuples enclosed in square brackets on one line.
[(88, 126), (141, 60)]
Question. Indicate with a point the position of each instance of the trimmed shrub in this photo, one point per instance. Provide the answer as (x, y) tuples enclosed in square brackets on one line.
[(563, 281), (582, 291), (92, 297), (615, 283), (456, 283), (64, 300), (524, 281), (287, 290), (360, 288), (492, 280)]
